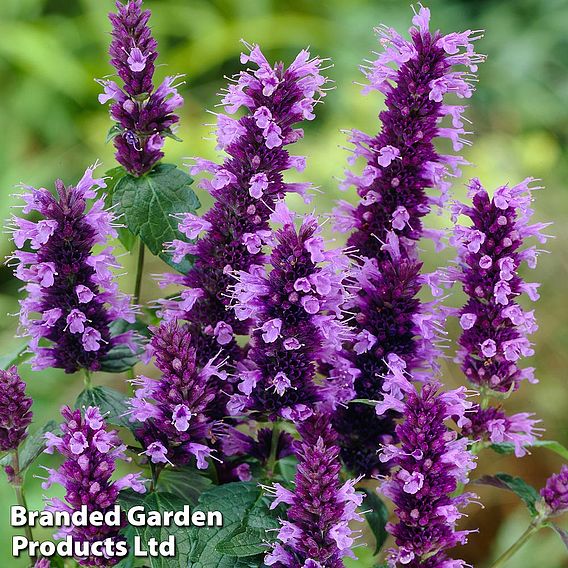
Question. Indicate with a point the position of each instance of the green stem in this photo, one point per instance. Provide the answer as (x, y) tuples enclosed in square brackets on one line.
[(18, 484), (516, 546), (87, 379), (271, 464), (139, 273)]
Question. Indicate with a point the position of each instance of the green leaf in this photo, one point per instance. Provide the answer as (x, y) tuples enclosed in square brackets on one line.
[(286, 468), (15, 357), (159, 501), (553, 446), (377, 515), (32, 447), (562, 533), (109, 401), (556, 447), (149, 204), (113, 132), (186, 483), (257, 530), (120, 358), (125, 236), (515, 484), (234, 501)]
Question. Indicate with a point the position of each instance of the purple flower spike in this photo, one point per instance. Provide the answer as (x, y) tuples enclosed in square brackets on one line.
[(72, 289), (490, 251), (245, 188), (394, 329), (426, 469), (172, 411), (316, 533), (15, 414), (91, 454), (298, 321), (144, 115), (401, 161), (555, 492)]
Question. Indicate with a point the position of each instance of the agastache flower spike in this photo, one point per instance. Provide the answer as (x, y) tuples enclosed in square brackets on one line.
[(390, 321), (15, 414), (144, 115), (72, 289), (245, 187), (316, 532), (402, 162), (427, 467), (298, 322), (490, 250), (172, 411), (395, 332), (91, 453)]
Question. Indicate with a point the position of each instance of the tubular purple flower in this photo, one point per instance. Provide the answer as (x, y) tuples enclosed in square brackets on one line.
[(245, 188), (555, 493), (72, 289), (144, 116), (490, 251), (426, 469), (174, 425), (298, 322), (91, 453), (492, 425), (402, 162), (316, 532), (15, 413)]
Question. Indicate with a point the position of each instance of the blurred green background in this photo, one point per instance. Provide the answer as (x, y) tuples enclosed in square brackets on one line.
[(53, 126)]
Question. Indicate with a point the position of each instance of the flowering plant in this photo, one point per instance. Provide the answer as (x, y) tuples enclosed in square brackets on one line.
[(294, 384)]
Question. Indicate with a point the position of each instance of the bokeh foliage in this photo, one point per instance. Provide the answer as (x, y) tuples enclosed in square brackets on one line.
[(53, 126)]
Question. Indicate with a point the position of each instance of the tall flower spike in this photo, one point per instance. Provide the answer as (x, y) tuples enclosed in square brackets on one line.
[(72, 289), (245, 188), (426, 469), (15, 413), (91, 453), (393, 329), (316, 533), (144, 116), (402, 162), (172, 411), (296, 308), (490, 251)]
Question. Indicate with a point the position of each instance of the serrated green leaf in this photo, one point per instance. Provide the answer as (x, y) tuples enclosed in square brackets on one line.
[(234, 501), (149, 204), (377, 516), (186, 483), (515, 484), (31, 448), (109, 401), (15, 357), (248, 542), (121, 358)]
